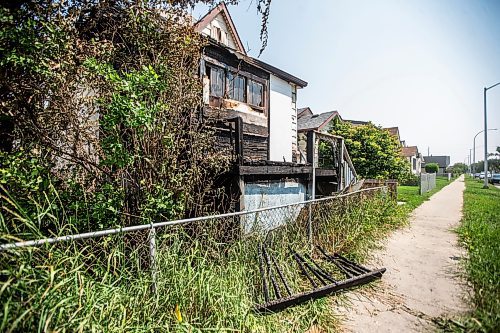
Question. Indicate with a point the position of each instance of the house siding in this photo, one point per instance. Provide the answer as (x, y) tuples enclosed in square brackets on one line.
[(220, 22), (283, 129)]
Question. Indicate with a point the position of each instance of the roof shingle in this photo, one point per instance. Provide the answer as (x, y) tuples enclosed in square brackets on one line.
[(315, 121)]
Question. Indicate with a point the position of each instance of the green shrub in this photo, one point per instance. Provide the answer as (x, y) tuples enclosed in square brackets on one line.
[(431, 167), (411, 180), (375, 153)]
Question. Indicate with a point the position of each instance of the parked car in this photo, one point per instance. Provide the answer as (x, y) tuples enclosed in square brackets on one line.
[(495, 179), (481, 175), (476, 175)]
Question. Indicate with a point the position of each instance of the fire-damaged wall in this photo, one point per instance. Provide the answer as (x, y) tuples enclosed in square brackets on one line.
[(255, 136)]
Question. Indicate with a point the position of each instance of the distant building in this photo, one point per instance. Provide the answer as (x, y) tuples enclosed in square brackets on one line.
[(356, 122), (414, 157), (394, 131), (442, 161), (308, 121)]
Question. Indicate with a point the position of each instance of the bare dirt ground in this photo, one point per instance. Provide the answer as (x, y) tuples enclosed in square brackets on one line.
[(421, 285)]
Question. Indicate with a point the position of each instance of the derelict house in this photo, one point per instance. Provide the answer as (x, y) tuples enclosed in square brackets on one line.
[(256, 104)]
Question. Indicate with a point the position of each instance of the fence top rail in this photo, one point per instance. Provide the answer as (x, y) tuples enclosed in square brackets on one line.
[(106, 232)]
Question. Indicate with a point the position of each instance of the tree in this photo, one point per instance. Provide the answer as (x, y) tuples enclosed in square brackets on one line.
[(493, 165), (105, 96), (375, 153), (457, 168), (431, 167), (496, 153)]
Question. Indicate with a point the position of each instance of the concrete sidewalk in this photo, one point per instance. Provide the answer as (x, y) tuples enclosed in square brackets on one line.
[(421, 281)]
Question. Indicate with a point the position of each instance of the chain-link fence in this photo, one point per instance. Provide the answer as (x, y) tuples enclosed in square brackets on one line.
[(185, 259)]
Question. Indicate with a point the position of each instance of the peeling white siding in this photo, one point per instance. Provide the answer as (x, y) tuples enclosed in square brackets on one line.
[(220, 22), (282, 121)]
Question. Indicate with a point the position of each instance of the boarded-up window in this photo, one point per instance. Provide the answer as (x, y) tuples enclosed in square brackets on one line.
[(216, 82), (237, 87), (255, 93), (219, 35)]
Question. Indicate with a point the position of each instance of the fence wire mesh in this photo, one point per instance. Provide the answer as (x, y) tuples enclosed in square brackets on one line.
[(188, 260)]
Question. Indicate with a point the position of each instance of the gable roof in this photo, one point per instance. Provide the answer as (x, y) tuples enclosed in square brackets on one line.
[(393, 130), (442, 161), (409, 151), (356, 122), (211, 15), (240, 52), (315, 121), (304, 112)]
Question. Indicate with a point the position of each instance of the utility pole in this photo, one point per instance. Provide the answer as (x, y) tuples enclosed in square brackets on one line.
[(486, 137), (470, 160)]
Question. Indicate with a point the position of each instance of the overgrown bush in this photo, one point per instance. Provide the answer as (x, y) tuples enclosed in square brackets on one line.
[(431, 167), (106, 96), (411, 180), (375, 153)]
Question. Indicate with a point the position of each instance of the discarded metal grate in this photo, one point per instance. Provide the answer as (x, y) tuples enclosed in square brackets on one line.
[(323, 283)]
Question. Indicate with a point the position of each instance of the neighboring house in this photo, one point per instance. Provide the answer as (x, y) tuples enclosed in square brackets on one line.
[(319, 122), (442, 161), (307, 122), (414, 157), (394, 131), (255, 106), (317, 127), (356, 122)]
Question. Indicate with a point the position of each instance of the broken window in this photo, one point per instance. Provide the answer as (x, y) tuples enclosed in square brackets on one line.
[(255, 93), (237, 87), (216, 82)]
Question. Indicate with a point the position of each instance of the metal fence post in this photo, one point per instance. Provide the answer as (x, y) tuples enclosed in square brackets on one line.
[(309, 229), (152, 258)]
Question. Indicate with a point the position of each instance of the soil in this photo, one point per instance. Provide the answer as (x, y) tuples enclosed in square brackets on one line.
[(422, 286)]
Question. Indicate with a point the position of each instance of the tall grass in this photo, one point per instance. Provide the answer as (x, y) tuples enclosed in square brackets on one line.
[(480, 233), (203, 284)]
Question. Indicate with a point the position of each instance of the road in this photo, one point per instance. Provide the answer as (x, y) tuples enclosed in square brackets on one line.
[(421, 285)]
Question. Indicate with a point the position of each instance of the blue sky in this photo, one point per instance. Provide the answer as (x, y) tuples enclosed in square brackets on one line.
[(420, 65)]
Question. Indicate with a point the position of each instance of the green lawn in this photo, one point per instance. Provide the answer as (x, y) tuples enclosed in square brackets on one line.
[(411, 197), (480, 235)]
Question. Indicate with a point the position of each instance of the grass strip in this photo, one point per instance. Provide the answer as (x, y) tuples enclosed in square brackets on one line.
[(411, 197), (480, 235)]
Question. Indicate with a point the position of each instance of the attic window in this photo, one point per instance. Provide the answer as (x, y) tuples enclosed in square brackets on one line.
[(219, 35)]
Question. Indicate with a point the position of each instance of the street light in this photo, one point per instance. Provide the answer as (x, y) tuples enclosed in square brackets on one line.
[(470, 161), (486, 138), (474, 146)]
